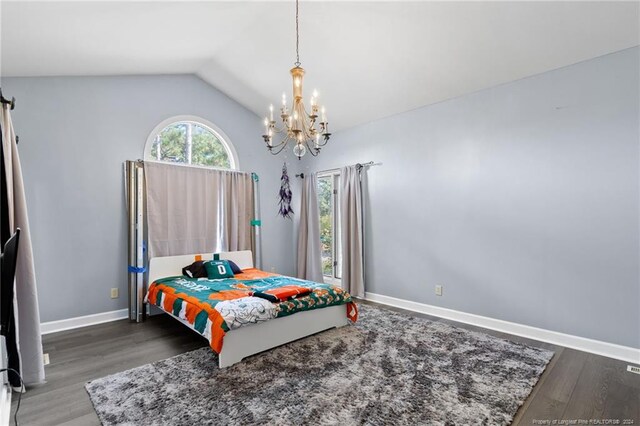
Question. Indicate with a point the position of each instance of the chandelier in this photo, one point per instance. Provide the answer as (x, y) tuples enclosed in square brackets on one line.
[(298, 125)]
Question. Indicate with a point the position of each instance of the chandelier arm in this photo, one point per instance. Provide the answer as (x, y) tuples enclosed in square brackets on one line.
[(278, 130), (313, 151), (306, 112), (283, 129), (306, 116), (311, 121), (323, 140), (278, 145), (282, 144), (307, 134)]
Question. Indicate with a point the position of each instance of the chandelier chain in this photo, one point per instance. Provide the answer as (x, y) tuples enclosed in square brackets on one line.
[(297, 64)]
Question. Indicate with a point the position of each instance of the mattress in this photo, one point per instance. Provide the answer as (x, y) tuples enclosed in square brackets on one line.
[(214, 307)]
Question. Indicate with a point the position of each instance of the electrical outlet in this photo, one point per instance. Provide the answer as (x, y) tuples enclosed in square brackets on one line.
[(633, 369), (114, 293), (45, 359), (438, 290)]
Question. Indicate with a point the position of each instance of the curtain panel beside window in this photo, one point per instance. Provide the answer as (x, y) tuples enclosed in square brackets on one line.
[(24, 342), (197, 210), (352, 221), (309, 249)]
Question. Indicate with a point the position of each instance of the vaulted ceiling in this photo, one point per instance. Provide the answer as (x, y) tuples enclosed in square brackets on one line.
[(367, 59)]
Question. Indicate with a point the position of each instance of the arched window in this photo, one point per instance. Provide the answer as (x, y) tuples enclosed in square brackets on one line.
[(192, 141)]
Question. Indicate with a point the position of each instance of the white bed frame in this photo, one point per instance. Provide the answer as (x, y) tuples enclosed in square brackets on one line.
[(250, 340)]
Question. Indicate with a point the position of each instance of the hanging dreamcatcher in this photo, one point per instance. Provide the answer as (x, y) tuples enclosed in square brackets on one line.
[(285, 194)]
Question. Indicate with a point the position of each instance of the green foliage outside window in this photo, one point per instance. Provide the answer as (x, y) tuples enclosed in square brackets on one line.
[(325, 204), (206, 148)]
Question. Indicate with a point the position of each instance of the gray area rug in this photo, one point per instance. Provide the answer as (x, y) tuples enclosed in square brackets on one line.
[(389, 368)]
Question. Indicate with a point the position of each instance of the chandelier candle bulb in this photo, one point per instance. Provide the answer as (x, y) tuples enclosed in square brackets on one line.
[(271, 112)]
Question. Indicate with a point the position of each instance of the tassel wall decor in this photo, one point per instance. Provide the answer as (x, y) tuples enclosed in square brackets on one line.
[(285, 194)]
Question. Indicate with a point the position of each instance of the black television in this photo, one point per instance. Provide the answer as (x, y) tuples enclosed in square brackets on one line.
[(8, 273)]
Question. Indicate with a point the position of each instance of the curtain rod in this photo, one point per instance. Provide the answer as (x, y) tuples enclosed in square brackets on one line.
[(193, 166), (359, 166), (4, 100), (12, 105)]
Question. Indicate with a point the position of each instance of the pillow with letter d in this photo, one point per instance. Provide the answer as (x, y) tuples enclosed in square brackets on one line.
[(217, 269)]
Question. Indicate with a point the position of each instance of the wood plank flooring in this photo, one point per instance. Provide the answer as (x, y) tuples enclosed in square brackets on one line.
[(575, 386)]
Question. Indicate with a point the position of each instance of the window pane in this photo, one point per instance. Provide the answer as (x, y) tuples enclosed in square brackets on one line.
[(171, 142), (325, 204), (208, 150), (190, 143)]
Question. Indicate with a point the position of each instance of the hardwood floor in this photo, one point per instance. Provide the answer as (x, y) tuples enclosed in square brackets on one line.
[(80, 355), (575, 386)]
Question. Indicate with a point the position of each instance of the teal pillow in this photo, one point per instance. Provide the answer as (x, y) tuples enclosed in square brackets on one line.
[(217, 269)]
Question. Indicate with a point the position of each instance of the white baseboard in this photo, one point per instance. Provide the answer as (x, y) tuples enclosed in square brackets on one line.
[(77, 322), (597, 347)]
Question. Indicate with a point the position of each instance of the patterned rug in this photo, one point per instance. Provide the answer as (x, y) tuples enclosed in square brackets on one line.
[(389, 368)]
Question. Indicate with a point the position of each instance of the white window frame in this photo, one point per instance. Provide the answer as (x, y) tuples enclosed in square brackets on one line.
[(336, 228), (218, 132)]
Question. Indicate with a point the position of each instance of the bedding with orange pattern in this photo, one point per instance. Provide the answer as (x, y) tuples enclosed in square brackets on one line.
[(213, 307)]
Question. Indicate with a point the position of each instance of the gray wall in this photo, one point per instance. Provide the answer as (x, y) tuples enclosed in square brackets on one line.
[(75, 133), (521, 200)]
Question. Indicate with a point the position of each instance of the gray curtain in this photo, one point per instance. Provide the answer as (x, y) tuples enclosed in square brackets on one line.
[(351, 219), (238, 211), (309, 249), (197, 210), (25, 303)]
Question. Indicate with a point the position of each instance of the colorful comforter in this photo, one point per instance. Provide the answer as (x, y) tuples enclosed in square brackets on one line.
[(213, 307)]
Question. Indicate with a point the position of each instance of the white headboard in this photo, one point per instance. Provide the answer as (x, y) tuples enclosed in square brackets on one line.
[(169, 266)]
